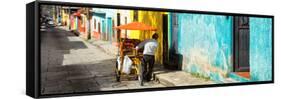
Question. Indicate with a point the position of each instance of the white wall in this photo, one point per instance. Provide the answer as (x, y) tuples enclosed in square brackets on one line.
[(12, 50)]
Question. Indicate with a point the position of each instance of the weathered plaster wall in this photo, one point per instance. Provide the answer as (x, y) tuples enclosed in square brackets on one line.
[(260, 49), (205, 42), (99, 20)]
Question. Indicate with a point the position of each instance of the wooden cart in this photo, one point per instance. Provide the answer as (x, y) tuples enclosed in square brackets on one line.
[(127, 48)]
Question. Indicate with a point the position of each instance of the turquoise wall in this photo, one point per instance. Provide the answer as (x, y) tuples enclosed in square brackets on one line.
[(103, 28), (260, 49), (105, 16), (205, 41), (109, 28)]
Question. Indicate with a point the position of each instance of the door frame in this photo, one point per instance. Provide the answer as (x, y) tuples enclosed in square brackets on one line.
[(236, 67), (165, 30)]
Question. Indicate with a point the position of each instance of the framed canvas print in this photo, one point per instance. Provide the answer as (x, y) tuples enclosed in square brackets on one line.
[(85, 49)]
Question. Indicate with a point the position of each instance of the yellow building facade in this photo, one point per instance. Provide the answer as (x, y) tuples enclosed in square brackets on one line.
[(153, 19)]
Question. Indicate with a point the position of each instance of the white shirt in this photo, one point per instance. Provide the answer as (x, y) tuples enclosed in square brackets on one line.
[(149, 46)]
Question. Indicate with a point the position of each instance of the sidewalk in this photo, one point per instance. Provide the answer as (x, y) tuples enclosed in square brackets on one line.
[(180, 78)]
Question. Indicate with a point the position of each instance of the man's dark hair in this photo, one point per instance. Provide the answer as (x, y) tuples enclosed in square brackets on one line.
[(155, 36)]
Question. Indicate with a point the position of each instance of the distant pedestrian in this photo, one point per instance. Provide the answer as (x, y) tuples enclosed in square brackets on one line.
[(147, 63)]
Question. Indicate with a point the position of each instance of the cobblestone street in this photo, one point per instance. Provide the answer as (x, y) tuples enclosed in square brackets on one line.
[(69, 64)]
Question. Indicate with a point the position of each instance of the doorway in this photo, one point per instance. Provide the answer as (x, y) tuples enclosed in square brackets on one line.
[(99, 30), (241, 44), (165, 38), (118, 24)]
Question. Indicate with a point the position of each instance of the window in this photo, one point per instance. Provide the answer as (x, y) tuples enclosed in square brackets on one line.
[(95, 24)]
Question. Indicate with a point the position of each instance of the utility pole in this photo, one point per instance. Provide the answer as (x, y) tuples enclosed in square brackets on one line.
[(89, 17)]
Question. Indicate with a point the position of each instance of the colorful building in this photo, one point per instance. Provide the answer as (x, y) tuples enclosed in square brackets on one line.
[(80, 23), (65, 16), (74, 19), (217, 47), (261, 49), (205, 45), (156, 20), (102, 23)]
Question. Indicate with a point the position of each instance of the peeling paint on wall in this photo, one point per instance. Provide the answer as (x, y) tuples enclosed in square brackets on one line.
[(206, 43), (261, 49)]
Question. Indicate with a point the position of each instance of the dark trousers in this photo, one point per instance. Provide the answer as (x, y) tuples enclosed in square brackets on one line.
[(147, 67)]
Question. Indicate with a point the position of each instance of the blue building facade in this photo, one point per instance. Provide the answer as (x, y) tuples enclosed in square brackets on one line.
[(205, 43), (261, 49)]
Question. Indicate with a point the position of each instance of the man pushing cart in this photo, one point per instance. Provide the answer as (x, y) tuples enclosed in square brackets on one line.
[(131, 61), (148, 59)]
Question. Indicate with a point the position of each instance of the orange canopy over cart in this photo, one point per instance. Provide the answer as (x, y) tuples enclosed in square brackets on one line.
[(135, 26)]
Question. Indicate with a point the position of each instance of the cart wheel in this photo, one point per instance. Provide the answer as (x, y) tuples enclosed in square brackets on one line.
[(117, 73), (117, 76)]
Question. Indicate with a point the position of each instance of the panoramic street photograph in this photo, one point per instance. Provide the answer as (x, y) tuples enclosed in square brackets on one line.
[(90, 49)]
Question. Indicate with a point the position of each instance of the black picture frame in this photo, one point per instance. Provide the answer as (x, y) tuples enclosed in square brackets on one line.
[(33, 49)]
